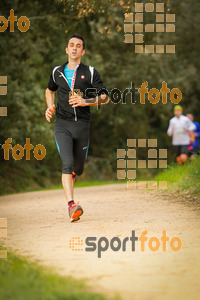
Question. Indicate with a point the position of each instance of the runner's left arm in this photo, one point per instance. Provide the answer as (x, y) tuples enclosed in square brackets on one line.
[(102, 96), (190, 128)]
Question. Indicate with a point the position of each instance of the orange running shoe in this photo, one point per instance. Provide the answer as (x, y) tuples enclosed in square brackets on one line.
[(75, 211)]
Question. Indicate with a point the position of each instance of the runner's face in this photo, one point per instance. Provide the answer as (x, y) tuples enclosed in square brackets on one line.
[(75, 49), (190, 117), (177, 113)]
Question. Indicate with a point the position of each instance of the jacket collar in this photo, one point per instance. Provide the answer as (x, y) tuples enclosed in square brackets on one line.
[(62, 67)]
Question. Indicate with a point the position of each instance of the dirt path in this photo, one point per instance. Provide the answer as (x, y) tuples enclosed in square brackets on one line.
[(38, 226)]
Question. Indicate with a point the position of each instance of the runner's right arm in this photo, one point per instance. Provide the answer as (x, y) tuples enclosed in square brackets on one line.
[(50, 96), (190, 127), (170, 128)]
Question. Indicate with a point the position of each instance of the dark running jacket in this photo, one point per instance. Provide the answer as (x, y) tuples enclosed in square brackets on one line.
[(86, 77)]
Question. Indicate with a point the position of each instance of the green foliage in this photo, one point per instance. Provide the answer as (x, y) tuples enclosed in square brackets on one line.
[(21, 280), (184, 178), (28, 58)]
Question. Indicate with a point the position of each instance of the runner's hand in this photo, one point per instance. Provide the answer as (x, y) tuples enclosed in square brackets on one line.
[(76, 100), (49, 112)]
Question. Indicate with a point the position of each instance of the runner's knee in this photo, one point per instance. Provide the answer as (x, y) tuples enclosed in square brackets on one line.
[(67, 168), (79, 171), (178, 159), (183, 157)]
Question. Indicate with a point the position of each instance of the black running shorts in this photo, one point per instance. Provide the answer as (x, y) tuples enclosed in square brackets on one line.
[(72, 139), (181, 149)]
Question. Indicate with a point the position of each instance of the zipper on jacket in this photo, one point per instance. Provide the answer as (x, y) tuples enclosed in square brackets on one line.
[(75, 116)]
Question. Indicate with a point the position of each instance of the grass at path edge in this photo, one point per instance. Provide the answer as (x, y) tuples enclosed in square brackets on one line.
[(183, 178), (21, 280)]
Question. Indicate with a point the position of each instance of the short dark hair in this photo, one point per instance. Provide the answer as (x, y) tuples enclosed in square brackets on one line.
[(78, 36)]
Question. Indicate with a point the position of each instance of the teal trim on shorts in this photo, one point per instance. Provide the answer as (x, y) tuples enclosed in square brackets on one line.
[(87, 150), (57, 146)]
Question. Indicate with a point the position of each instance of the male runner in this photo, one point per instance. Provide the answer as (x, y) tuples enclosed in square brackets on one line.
[(72, 81), (181, 130)]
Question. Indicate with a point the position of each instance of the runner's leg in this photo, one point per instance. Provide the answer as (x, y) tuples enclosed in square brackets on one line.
[(183, 157), (178, 160), (178, 153), (184, 152), (68, 185), (64, 141), (81, 145)]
